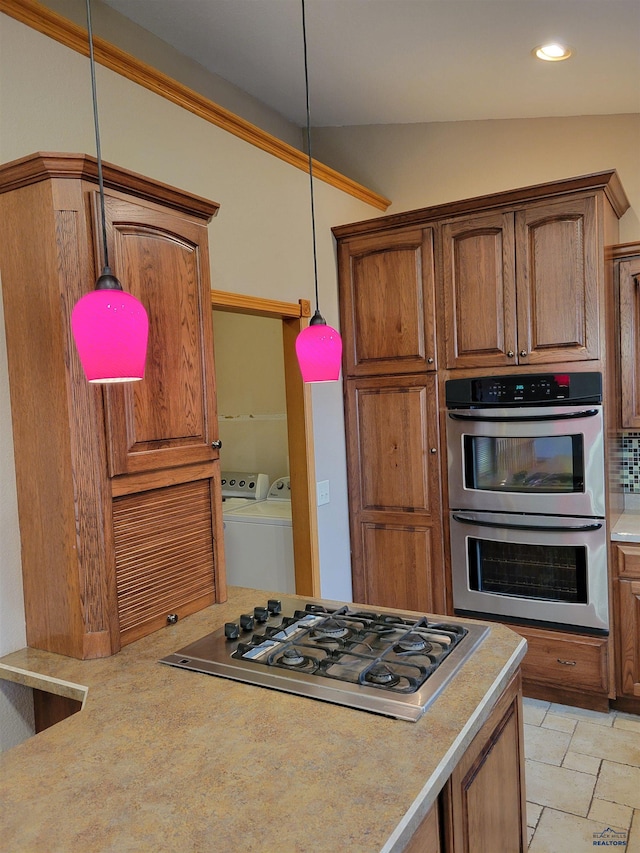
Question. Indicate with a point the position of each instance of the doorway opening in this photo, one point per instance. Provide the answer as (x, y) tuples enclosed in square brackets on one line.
[(292, 317)]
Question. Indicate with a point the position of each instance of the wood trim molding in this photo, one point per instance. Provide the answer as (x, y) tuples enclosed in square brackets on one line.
[(607, 182), (224, 301), (45, 21), (622, 250)]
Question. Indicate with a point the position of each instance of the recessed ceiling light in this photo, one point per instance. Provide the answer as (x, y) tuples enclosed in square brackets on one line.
[(554, 52)]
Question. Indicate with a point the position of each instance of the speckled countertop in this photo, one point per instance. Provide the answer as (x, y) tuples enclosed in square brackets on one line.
[(164, 759), (627, 527)]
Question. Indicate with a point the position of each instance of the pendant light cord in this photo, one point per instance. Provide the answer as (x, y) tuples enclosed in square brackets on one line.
[(97, 133), (313, 211)]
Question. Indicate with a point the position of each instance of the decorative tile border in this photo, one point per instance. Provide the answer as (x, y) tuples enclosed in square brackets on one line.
[(630, 462)]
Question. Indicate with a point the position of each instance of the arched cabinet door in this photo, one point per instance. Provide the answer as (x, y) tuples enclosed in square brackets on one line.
[(387, 303), (169, 418), (478, 280), (558, 282)]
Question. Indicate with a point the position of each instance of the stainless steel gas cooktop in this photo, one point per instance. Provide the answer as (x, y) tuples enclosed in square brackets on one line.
[(388, 663)]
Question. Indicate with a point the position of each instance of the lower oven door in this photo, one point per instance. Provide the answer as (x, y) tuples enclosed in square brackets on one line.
[(530, 568)]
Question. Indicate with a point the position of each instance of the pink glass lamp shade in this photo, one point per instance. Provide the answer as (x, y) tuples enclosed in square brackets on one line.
[(110, 328), (319, 351)]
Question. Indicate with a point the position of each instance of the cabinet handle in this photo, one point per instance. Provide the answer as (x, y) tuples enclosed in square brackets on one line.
[(172, 618), (429, 360), (566, 662), (523, 352), (217, 445), (510, 354), (433, 450)]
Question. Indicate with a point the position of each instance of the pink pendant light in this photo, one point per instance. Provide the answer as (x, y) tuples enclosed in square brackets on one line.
[(110, 327), (318, 347), (319, 351)]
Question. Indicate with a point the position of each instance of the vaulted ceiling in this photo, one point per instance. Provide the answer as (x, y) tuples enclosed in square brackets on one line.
[(404, 61)]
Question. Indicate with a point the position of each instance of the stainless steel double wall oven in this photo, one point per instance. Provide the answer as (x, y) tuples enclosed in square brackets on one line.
[(527, 498)]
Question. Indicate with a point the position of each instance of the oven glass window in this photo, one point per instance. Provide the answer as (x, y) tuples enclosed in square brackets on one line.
[(548, 464), (542, 572)]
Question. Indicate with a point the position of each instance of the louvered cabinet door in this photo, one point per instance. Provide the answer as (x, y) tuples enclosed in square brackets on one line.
[(164, 555)]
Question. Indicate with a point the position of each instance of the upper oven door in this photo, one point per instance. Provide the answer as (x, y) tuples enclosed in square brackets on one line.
[(537, 459)]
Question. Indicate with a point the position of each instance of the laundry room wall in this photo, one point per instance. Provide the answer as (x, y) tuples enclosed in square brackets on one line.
[(252, 411)]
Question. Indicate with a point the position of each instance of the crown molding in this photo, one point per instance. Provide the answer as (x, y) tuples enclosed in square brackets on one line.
[(55, 26)]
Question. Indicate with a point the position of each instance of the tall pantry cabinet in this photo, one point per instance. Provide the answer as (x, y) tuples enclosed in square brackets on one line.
[(118, 487), (387, 305)]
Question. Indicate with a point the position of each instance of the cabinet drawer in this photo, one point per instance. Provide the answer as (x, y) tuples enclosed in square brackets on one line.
[(628, 561), (565, 660)]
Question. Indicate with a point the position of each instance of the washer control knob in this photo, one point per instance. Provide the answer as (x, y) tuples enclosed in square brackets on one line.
[(231, 630)]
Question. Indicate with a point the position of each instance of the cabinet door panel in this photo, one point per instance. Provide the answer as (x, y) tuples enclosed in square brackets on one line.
[(394, 492), (479, 290), (397, 566), (394, 431), (167, 419), (629, 279), (485, 796), (557, 282), (387, 310), (628, 630)]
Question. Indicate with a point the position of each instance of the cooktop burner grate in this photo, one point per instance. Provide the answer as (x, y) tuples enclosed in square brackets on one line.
[(388, 663)]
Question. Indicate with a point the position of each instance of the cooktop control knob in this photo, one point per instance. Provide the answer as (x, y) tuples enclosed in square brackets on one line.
[(260, 614), (247, 622), (274, 606), (231, 630)]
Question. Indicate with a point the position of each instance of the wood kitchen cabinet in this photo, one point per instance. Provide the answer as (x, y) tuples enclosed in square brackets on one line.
[(387, 303), (516, 280), (482, 808), (579, 665), (118, 487), (627, 624), (626, 273), (394, 490), (521, 287)]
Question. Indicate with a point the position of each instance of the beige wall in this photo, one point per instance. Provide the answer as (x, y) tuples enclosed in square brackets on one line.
[(120, 31), (260, 245), (417, 165)]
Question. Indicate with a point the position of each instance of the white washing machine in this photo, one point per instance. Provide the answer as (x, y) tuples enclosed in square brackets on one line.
[(258, 542), (240, 488)]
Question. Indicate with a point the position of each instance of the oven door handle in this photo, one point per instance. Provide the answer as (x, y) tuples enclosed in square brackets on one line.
[(595, 525), (583, 413)]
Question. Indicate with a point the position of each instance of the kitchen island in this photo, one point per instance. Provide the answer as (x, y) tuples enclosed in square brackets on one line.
[(162, 758)]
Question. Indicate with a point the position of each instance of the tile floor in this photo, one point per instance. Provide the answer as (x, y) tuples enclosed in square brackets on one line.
[(583, 779)]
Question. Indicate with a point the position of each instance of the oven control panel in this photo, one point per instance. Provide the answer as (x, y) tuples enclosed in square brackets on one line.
[(527, 389)]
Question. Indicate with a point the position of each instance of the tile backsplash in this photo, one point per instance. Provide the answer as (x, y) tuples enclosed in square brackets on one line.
[(630, 462)]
